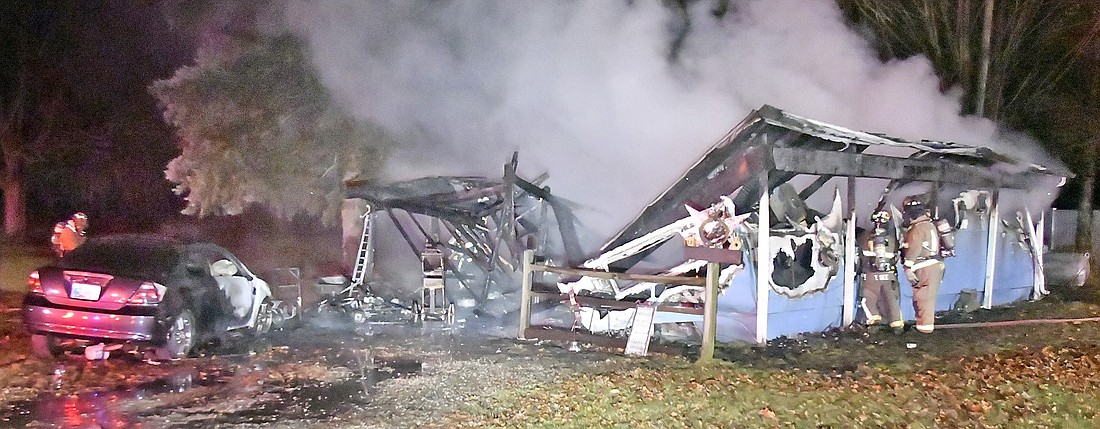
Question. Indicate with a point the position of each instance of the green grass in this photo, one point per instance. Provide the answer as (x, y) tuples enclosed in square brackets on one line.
[(16, 262), (1026, 376), (1050, 387)]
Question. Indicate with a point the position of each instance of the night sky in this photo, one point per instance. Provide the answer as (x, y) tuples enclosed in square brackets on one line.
[(110, 145)]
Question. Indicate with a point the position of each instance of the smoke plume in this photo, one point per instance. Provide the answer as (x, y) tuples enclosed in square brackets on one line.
[(589, 92)]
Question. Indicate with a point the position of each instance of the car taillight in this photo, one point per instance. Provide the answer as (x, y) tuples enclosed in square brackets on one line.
[(148, 293), (35, 283)]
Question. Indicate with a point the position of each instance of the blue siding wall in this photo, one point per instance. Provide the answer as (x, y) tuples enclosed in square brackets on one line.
[(822, 310)]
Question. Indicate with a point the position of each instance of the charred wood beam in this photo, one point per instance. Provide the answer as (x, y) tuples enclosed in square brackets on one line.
[(784, 137), (567, 227), (509, 214), (527, 225), (429, 208), (481, 264), (483, 227), (482, 242), (814, 187), (608, 275), (831, 135), (459, 274), (492, 257), (821, 180), (467, 207), (462, 237), (750, 192), (805, 161), (499, 234), (400, 228), (467, 234), (489, 209), (591, 301), (474, 194), (530, 206), (420, 227)]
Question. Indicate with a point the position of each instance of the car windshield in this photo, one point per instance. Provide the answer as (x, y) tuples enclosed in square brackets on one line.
[(126, 256)]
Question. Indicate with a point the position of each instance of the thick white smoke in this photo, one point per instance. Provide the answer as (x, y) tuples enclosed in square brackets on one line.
[(585, 90)]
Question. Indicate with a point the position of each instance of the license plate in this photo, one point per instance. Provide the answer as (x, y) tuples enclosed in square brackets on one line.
[(884, 277), (85, 291)]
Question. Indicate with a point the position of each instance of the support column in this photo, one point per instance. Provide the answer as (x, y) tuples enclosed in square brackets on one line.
[(710, 313), (1037, 237), (848, 314), (763, 261), (525, 293), (991, 247)]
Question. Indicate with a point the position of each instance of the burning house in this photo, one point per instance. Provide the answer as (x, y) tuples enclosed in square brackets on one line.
[(789, 193), (786, 194)]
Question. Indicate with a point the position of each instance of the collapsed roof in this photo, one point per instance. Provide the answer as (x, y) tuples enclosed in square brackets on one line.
[(485, 223)]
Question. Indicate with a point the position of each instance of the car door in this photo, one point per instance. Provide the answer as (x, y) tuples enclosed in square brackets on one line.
[(235, 282)]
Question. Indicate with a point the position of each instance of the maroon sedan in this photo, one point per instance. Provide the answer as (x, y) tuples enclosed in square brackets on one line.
[(146, 290)]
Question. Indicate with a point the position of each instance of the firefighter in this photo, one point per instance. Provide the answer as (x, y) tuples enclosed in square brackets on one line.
[(879, 273), (69, 234), (923, 266)]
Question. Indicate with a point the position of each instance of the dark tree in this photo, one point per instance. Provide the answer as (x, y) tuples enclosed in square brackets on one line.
[(257, 126), (1033, 66), (32, 105), (78, 129)]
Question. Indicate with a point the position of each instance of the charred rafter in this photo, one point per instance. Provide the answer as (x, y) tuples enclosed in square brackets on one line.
[(486, 223)]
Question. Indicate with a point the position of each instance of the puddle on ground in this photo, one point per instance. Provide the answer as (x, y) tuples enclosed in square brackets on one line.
[(102, 408), (325, 399), (98, 409)]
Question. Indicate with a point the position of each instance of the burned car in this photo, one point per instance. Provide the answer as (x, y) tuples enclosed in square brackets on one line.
[(149, 291)]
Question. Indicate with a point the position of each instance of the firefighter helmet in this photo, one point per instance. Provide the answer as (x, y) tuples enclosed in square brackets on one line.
[(880, 217), (80, 220), (914, 207)]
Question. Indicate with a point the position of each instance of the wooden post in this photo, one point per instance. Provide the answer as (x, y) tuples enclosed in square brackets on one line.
[(525, 293), (710, 313), (991, 247)]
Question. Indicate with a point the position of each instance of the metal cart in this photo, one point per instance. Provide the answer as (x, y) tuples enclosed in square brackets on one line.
[(433, 293)]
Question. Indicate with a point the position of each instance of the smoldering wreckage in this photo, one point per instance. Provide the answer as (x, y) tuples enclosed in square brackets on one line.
[(768, 217), (774, 206)]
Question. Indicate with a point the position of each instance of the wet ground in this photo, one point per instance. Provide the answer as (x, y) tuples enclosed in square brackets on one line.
[(326, 373), (330, 373)]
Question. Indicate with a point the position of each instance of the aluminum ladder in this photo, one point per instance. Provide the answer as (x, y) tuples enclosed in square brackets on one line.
[(364, 258)]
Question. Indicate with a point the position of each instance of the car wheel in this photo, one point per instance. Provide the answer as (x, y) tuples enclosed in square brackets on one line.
[(180, 338), (45, 346), (264, 318)]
